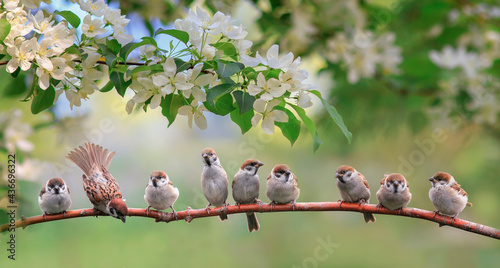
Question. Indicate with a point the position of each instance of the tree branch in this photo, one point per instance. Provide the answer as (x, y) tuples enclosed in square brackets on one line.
[(190, 214)]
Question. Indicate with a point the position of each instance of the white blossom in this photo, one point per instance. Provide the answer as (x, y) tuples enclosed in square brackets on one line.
[(95, 8), (21, 56), (40, 23), (272, 58), (268, 116), (270, 89), (92, 27), (193, 111)]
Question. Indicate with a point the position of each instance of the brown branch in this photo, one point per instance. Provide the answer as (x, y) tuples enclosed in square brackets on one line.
[(190, 214)]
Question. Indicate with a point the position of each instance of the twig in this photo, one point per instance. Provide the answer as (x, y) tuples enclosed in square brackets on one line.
[(190, 214)]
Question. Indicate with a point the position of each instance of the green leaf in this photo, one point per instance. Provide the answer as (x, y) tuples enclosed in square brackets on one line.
[(290, 129), (228, 69), (113, 45), (110, 58), (109, 86), (4, 29), (214, 93), (244, 121), (170, 105), (71, 17), (337, 118), (120, 84), (153, 68), (311, 127), (181, 65), (43, 99), (223, 105), (181, 35), (145, 41), (228, 48), (244, 100)]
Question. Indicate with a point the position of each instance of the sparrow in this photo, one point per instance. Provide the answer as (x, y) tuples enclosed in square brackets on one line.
[(354, 188), (160, 192), (54, 197), (282, 186), (214, 181), (246, 189), (447, 195), (101, 188), (394, 192)]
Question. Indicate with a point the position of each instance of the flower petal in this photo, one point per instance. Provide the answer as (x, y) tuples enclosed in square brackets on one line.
[(268, 125), (256, 119), (278, 116), (259, 105)]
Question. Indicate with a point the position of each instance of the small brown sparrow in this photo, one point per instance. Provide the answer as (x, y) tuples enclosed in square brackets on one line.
[(246, 189), (394, 192), (447, 195), (354, 188), (54, 197), (282, 186), (214, 181), (160, 192), (101, 188)]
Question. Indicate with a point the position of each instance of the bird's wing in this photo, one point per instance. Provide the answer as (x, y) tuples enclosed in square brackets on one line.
[(364, 181), (457, 188)]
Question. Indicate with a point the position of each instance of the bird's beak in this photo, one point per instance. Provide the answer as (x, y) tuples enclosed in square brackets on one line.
[(154, 180), (260, 164), (56, 189), (288, 172), (431, 179), (204, 155), (337, 175), (123, 219)]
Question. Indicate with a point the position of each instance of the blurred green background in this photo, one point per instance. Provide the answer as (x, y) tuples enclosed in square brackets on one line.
[(404, 122)]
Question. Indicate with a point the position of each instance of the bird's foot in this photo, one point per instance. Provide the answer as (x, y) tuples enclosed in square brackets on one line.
[(293, 205), (208, 208), (147, 211), (174, 212)]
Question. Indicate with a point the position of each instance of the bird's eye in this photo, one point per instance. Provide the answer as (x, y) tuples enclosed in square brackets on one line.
[(438, 178)]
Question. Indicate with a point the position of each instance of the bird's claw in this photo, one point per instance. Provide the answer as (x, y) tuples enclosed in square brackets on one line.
[(174, 213), (293, 205)]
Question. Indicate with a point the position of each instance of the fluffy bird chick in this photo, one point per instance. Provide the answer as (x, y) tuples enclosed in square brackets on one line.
[(214, 181), (246, 189), (394, 192), (99, 185), (354, 188), (282, 186), (54, 197), (447, 195), (160, 192)]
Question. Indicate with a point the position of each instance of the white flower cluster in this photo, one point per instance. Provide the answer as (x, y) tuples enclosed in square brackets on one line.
[(205, 33), (45, 50), (475, 53), (362, 52), (158, 85), (15, 133)]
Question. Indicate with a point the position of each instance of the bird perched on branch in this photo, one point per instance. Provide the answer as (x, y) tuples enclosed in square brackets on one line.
[(246, 189), (447, 195), (354, 188), (101, 188), (394, 192), (214, 181), (282, 186), (160, 192), (54, 197)]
